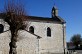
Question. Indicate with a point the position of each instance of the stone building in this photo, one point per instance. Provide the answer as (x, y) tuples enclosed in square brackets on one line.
[(43, 36)]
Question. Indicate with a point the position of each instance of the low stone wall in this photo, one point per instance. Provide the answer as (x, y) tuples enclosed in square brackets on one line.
[(74, 51), (52, 53), (27, 43)]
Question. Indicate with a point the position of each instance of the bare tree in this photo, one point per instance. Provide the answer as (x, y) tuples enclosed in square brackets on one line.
[(15, 17)]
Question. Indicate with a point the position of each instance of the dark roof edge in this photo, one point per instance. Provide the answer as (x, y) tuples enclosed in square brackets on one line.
[(38, 17), (58, 17), (38, 37), (62, 20), (42, 18)]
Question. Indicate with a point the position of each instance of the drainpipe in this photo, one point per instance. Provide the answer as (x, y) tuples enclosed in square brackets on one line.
[(38, 44), (64, 37)]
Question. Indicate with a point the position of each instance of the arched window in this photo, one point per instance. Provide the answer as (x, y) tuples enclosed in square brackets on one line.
[(1, 28), (48, 32), (31, 29)]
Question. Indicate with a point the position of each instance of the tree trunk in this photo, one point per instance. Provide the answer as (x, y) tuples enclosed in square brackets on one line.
[(12, 44)]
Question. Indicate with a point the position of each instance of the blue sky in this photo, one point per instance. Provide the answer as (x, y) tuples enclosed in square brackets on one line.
[(69, 10)]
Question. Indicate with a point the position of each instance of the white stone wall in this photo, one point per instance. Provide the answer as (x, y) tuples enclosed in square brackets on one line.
[(53, 44), (26, 44), (5, 24), (29, 44), (4, 42)]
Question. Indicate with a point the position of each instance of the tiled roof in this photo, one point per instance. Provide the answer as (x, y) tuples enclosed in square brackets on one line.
[(46, 19), (55, 19)]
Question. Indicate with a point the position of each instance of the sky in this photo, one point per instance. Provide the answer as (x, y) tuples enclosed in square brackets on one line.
[(69, 10)]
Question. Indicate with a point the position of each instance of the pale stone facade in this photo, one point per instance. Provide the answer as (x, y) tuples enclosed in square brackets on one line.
[(29, 43)]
